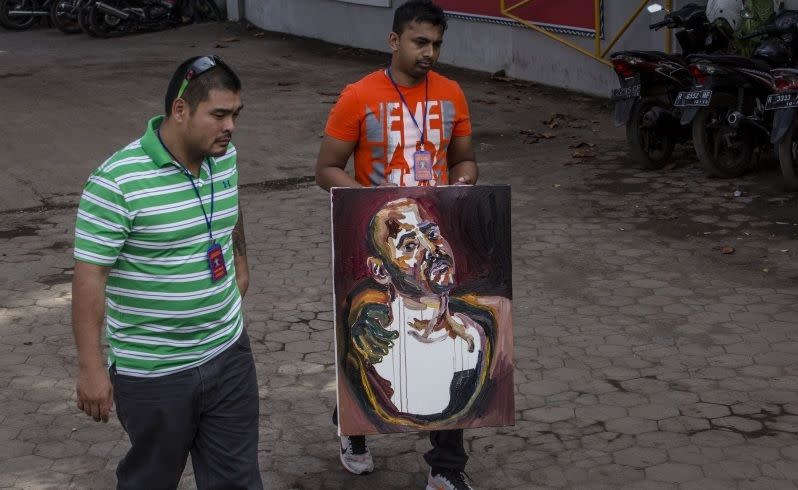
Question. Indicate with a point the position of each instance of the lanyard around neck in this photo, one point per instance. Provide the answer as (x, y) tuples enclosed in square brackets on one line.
[(424, 108), (208, 219)]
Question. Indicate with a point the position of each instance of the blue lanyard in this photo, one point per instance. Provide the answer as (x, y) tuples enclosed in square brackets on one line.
[(424, 109), (208, 221)]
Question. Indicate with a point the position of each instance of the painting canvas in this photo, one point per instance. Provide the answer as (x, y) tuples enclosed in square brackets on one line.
[(423, 324)]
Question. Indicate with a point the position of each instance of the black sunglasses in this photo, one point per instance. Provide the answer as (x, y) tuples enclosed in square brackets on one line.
[(200, 66)]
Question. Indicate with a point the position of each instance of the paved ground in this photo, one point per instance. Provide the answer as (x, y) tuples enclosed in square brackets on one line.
[(645, 357)]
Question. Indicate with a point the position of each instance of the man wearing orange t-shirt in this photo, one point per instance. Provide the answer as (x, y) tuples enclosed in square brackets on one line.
[(407, 126)]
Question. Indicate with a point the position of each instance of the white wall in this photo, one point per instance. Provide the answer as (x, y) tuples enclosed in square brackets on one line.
[(521, 52)]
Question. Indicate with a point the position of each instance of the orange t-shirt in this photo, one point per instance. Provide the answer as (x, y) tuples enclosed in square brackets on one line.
[(371, 112)]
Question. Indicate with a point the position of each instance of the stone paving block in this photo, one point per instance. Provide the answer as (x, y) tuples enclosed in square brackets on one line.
[(549, 414), (600, 412), (640, 457), (738, 424), (25, 466), (614, 474), (550, 476), (780, 470), (654, 412), (674, 472), (631, 425), (543, 387), (785, 423), (764, 483), (716, 438), (708, 484), (644, 385), (662, 439), (734, 470), (705, 410)]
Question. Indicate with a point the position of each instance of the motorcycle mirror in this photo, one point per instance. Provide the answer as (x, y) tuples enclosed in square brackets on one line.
[(654, 8)]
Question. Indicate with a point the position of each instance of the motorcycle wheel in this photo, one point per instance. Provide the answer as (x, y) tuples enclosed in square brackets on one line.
[(83, 17), (788, 157), (649, 145), (207, 11), (725, 152), (13, 22), (101, 24), (64, 16)]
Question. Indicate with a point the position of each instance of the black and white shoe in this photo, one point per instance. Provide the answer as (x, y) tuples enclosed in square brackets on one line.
[(448, 480), (355, 455)]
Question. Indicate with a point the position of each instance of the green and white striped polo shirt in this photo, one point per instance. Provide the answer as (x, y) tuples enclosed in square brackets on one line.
[(140, 216)]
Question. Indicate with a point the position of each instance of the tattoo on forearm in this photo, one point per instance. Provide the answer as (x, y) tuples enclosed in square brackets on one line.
[(239, 241)]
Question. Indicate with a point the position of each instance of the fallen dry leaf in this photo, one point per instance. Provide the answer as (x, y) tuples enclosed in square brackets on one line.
[(583, 154), (230, 40), (726, 250), (582, 144)]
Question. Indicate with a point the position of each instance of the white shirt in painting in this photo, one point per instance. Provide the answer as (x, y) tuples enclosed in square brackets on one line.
[(421, 373)]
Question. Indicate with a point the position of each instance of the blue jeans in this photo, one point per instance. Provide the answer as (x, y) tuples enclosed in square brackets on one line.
[(210, 411)]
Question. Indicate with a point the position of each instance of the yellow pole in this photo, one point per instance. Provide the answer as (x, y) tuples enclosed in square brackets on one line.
[(668, 33), (624, 28), (556, 38), (597, 13)]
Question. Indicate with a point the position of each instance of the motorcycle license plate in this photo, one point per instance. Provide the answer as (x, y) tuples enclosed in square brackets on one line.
[(781, 101), (630, 90), (695, 98)]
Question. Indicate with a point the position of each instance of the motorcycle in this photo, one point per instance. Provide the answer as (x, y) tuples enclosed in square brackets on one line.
[(651, 80), (64, 16), (18, 15), (104, 18), (727, 105), (785, 125)]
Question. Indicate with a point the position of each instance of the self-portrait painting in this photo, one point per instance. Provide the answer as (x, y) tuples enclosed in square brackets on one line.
[(423, 324)]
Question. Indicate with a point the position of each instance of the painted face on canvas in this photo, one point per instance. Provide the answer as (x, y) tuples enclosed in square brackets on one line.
[(414, 248)]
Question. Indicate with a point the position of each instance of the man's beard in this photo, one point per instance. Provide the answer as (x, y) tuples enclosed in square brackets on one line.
[(408, 286)]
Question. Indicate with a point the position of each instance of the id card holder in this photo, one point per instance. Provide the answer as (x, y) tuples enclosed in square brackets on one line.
[(422, 165), (216, 262)]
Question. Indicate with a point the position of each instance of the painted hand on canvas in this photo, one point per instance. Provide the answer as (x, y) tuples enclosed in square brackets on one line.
[(417, 355)]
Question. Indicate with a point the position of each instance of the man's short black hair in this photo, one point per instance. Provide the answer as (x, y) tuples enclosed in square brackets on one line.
[(220, 77), (419, 11)]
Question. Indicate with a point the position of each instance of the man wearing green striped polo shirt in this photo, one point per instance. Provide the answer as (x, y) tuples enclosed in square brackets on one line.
[(161, 263)]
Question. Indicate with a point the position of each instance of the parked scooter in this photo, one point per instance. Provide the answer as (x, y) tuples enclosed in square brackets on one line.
[(651, 80), (727, 105)]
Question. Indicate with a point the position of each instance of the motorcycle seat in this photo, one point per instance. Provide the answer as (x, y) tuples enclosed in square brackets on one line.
[(731, 60)]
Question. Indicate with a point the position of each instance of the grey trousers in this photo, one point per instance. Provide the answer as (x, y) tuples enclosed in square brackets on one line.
[(210, 411)]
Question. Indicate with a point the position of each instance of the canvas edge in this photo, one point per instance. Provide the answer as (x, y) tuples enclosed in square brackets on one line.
[(334, 311)]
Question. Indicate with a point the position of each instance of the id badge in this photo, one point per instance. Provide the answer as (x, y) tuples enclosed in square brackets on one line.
[(216, 262), (422, 165)]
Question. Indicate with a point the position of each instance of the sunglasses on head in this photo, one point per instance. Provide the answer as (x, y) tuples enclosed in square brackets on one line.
[(200, 66)]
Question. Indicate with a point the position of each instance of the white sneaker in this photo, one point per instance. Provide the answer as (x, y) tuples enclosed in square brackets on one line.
[(448, 480), (355, 455)]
